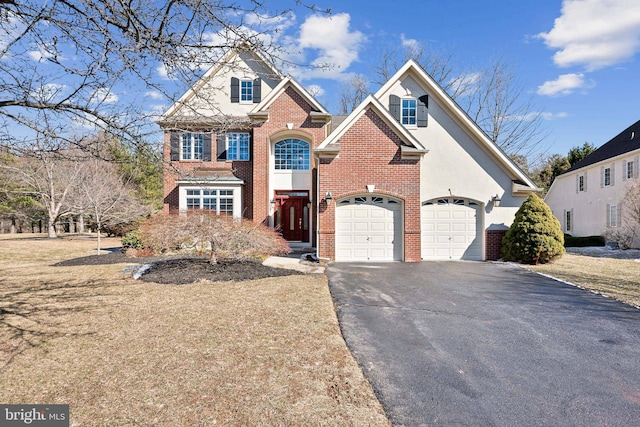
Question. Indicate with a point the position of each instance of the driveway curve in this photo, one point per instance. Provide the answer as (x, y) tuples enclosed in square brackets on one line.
[(488, 344)]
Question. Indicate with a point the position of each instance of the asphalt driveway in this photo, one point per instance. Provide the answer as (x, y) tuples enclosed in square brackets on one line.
[(489, 344)]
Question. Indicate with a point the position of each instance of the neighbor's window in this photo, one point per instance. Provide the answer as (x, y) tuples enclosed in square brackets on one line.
[(581, 183), (629, 170), (409, 111), (220, 201), (291, 154), (607, 177), (612, 216), (237, 146), (246, 90), (568, 221), (192, 146)]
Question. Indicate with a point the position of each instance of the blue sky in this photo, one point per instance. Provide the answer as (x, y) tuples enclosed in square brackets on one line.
[(578, 59)]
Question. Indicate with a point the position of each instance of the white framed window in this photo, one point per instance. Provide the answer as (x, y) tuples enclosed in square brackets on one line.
[(191, 146), (219, 201), (612, 216), (291, 154), (568, 221), (409, 111), (606, 177), (629, 172), (237, 146), (246, 90), (581, 186)]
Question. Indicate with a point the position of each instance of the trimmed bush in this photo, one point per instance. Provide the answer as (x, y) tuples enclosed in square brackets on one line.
[(581, 242), (535, 235)]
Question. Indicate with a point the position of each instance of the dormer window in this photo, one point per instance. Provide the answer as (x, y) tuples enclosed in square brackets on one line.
[(409, 112), (246, 91)]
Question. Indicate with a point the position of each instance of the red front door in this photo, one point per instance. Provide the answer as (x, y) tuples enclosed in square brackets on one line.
[(293, 218)]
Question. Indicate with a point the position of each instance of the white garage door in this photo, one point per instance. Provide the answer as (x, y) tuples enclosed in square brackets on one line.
[(451, 229), (369, 228)]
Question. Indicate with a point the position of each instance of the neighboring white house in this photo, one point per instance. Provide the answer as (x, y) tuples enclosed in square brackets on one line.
[(587, 198)]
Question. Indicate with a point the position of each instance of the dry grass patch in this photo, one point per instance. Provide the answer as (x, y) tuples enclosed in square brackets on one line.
[(615, 278), (125, 352)]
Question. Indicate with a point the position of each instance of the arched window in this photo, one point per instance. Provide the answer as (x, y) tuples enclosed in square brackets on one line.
[(292, 154)]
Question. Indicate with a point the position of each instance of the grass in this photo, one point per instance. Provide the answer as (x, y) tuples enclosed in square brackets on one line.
[(615, 278), (124, 352)]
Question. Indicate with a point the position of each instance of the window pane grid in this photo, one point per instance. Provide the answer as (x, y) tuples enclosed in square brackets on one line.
[(238, 146), (192, 146), (409, 109), (292, 154), (211, 199), (246, 90)]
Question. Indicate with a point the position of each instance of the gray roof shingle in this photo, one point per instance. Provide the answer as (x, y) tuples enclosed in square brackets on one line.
[(626, 141)]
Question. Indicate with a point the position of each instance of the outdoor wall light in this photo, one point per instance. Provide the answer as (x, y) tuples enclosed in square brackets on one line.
[(496, 200), (309, 203), (328, 197), (273, 201)]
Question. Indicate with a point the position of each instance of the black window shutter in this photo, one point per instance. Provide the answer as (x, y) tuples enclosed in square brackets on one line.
[(423, 106), (235, 89), (221, 151), (257, 91), (394, 106), (206, 142), (174, 142)]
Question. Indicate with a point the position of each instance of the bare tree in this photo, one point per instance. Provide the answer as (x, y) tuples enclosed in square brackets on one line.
[(63, 62), (47, 175), (352, 93), (105, 197)]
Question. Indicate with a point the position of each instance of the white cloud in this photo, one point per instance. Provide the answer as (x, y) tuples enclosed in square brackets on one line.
[(162, 72), (595, 33), (412, 45), (565, 84), (273, 24), (465, 84), (315, 90), (48, 92), (336, 45), (104, 96), (154, 94), (553, 116)]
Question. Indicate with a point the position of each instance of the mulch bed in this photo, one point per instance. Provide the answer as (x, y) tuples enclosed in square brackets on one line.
[(181, 270)]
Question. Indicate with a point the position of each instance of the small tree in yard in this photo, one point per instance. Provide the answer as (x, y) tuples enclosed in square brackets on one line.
[(535, 235), (223, 237), (628, 229)]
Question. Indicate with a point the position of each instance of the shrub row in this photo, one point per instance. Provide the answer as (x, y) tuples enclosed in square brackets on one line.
[(581, 242)]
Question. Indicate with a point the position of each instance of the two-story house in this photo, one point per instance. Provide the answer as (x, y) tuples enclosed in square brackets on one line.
[(587, 198), (406, 176)]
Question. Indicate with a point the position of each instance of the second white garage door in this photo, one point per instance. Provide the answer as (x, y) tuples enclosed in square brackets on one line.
[(451, 229), (369, 228)]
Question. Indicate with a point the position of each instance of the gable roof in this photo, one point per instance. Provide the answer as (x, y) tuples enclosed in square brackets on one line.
[(261, 110), (212, 71), (626, 141), (414, 69), (331, 146)]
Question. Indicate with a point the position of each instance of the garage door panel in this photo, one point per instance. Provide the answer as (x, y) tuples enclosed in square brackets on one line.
[(450, 229), (374, 229), (443, 227)]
